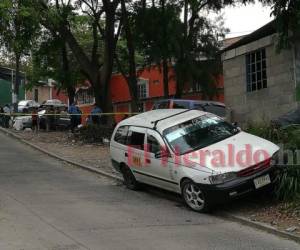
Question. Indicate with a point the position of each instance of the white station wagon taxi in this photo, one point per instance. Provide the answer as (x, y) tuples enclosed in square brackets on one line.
[(194, 153)]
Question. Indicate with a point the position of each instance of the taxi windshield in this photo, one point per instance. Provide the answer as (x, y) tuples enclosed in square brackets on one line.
[(198, 133)]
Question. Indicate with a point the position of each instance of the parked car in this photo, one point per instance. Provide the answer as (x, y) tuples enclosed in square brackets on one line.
[(165, 148), (290, 118), (217, 108), (53, 103), (26, 106), (62, 119)]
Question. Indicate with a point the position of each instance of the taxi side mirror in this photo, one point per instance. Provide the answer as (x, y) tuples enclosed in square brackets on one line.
[(235, 124)]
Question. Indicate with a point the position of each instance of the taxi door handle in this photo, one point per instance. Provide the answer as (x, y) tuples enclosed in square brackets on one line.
[(126, 154)]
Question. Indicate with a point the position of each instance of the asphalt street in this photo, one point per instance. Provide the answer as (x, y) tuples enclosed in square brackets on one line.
[(46, 204)]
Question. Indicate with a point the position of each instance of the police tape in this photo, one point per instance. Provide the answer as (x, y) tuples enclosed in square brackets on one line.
[(67, 114)]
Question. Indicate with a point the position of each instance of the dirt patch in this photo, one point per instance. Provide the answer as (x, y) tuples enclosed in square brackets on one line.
[(261, 207)]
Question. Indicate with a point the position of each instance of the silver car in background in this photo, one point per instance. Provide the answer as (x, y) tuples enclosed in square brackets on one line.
[(26, 106)]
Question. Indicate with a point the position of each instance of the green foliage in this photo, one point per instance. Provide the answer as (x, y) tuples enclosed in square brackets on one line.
[(288, 184), (158, 32), (288, 187), (287, 15), (47, 60), (288, 136), (268, 132), (18, 25)]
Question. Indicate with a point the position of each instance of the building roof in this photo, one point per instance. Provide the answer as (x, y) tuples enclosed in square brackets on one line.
[(229, 41), (147, 119), (266, 30), (6, 73)]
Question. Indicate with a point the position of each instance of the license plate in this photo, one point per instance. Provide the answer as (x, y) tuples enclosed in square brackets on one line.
[(262, 181)]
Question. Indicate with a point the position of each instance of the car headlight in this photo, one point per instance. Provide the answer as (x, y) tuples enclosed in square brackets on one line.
[(221, 178), (274, 159)]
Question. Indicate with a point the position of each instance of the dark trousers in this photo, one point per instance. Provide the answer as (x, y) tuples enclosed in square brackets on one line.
[(73, 122), (6, 121)]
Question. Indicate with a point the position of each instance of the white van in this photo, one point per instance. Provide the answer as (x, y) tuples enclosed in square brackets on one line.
[(194, 153)]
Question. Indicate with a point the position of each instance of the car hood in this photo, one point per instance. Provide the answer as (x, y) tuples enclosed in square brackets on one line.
[(23, 118), (232, 154)]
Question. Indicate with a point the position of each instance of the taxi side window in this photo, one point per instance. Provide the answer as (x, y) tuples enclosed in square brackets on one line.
[(153, 144), (121, 134), (136, 140)]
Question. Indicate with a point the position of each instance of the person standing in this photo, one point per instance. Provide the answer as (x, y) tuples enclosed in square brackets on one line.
[(73, 112), (6, 110), (35, 120), (96, 114), (2, 117)]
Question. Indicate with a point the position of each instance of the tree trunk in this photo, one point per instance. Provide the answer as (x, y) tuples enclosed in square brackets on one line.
[(166, 77), (180, 76), (99, 76), (132, 78), (108, 59), (165, 50), (67, 81)]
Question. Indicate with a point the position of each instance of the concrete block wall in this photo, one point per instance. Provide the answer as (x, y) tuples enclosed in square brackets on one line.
[(265, 104)]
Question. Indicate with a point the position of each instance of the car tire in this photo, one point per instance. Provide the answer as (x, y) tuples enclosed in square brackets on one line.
[(129, 179), (194, 197)]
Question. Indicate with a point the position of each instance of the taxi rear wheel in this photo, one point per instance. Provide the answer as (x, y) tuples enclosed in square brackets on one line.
[(129, 179), (194, 196)]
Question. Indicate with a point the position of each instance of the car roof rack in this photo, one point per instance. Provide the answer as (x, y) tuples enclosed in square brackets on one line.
[(157, 121)]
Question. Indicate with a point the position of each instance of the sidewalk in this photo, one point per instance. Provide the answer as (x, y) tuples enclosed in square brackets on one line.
[(257, 211)]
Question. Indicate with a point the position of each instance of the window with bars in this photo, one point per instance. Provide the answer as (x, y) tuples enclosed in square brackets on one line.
[(85, 96), (143, 88), (256, 70)]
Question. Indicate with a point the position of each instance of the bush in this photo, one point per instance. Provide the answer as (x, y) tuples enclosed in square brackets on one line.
[(95, 133), (288, 136), (288, 186), (267, 132)]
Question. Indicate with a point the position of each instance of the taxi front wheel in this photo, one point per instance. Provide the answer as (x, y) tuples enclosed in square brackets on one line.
[(129, 179), (194, 197)]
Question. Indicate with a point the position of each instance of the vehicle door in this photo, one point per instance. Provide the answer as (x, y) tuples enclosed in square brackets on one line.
[(118, 146), (157, 157), (134, 152)]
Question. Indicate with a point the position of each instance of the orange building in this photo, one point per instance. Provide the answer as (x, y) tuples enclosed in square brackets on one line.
[(150, 88)]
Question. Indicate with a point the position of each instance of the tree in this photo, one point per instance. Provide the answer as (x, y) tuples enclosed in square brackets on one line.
[(287, 16), (52, 58), (158, 30), (18, 27), (191, 42), (200, 41), (98, 65), (128, 70)]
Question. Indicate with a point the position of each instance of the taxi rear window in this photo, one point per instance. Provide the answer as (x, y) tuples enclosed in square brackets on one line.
[(121, 134)]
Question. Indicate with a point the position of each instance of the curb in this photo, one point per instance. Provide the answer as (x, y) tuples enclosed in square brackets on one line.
[(80, 165), (259, 225), (235, 218)]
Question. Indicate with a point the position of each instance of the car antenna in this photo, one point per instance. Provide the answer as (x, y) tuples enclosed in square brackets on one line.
[(156, 121)]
